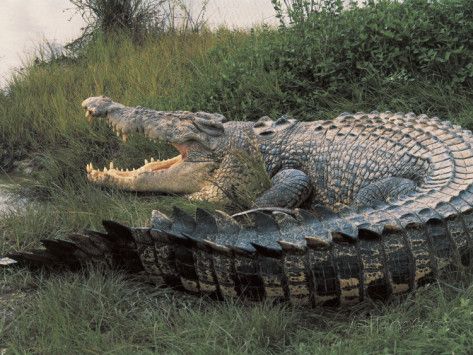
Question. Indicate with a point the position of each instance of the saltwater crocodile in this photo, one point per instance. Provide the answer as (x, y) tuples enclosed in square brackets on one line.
[(361, 206)]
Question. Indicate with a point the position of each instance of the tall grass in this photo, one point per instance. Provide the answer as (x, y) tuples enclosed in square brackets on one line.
[(43, 103), (97, 312), (41, 118)]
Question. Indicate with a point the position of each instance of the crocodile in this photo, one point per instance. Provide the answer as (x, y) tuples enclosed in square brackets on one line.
[(364, 206)]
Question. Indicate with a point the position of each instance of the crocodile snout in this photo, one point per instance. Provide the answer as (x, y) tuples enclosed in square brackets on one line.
[(96, 106)]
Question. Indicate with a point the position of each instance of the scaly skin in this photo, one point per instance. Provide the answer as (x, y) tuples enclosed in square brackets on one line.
[(321, 162), (407, 182)]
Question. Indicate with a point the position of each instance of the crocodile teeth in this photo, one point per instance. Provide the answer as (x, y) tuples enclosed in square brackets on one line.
[(88, 115), (152, 159), (104, 169), (146, 161), (125, 137), (111, 165), (117, 133)]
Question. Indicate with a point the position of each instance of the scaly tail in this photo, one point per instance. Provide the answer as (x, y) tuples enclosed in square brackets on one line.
[(116, 249), (316, 258)]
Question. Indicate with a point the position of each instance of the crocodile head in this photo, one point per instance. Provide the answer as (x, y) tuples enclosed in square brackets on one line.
[(195, 135)]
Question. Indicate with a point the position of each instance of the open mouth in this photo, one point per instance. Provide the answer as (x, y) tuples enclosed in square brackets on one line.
[(113, 172), (148, 167)]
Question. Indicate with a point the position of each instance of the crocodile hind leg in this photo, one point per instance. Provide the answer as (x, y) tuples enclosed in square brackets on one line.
[(289, 188), (382, 191)]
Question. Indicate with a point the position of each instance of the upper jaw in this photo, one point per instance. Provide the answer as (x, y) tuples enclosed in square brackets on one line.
[(99, 106), (112, 112)]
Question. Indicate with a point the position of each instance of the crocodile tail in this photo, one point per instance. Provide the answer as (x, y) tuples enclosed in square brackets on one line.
[(116, 248), (303, 257), (306, 258), (275, 254)]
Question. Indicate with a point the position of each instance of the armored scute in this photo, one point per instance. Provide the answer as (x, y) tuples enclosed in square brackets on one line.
[(362, 206)]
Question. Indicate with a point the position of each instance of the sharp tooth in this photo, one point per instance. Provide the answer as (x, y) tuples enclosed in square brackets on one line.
[(134, 169), (152, 159), (117, 133), (127, 170), (90, 118), (146, 161), (105, 169), (91, 166), (111, 165), (125, 137)]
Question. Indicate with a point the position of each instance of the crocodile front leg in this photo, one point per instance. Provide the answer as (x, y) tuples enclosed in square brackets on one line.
[(289, 188)]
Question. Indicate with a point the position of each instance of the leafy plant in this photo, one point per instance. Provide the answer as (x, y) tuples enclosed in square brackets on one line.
[(363, 56), (298, 11)]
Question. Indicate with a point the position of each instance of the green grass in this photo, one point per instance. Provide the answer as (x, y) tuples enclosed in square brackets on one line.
[(42, 112), (104, 312), (231, 72)]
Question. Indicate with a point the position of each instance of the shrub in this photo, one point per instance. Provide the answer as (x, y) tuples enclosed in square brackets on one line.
[(362, 55), (138, 18), (109, 16)]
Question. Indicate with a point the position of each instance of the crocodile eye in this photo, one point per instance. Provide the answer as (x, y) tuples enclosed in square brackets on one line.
[(259, 124), (267, 133)]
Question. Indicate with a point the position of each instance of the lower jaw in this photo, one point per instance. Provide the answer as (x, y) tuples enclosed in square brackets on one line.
[(180, 178), (149, 166)]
